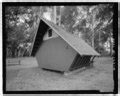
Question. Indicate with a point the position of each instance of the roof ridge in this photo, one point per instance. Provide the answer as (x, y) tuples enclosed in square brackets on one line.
[(75, 42)]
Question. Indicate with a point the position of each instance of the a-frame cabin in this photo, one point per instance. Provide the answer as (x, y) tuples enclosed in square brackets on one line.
[(56, 49)]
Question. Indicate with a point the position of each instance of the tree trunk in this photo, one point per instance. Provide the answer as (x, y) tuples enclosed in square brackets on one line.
[(60, 17), (99, 42), (54, 19), (111, 47), (93, 39), (13, 51)]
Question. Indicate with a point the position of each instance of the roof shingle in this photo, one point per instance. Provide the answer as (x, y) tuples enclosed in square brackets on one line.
[(76, 43)]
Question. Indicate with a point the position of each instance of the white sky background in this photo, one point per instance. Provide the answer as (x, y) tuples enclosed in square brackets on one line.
[(39, 1)]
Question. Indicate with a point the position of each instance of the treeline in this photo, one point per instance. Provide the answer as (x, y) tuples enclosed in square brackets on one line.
[(92, 23)]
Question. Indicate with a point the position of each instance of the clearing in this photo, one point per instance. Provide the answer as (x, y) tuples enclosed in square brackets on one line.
[(29, 76)]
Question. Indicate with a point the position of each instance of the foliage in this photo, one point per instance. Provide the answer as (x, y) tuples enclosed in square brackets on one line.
[(94, 23), (18, 21)]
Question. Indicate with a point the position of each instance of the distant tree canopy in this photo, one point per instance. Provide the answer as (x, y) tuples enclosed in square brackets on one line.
[(19, 21), (93, 23)]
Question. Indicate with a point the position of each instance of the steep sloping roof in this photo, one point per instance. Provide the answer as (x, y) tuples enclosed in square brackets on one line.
[(75, 42)]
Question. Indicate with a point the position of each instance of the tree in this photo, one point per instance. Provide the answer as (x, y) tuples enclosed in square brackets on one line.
[(18, 21), (21, 27), (92, 21), (68, 16)]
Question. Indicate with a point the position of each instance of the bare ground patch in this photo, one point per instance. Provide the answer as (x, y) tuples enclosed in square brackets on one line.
[(100, 77)]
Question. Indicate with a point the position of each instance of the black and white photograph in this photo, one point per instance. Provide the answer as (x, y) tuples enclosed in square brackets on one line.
[(50, 47)]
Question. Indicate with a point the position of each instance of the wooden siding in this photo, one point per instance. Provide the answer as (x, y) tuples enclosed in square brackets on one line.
[(75, 42), (55, 54)]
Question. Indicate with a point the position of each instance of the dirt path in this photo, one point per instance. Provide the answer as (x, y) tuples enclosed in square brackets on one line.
[(98, 78)]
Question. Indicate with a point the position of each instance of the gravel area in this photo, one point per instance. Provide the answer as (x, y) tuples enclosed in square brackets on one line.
[(100, 77)]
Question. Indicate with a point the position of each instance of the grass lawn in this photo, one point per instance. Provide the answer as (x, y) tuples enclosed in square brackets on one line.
[(100, 77)]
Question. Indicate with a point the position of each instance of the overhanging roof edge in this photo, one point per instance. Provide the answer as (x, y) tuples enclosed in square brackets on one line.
[(65, 39)]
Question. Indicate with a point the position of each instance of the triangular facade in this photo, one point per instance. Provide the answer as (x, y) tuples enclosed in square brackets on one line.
[(63, 52), (75, 42)]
